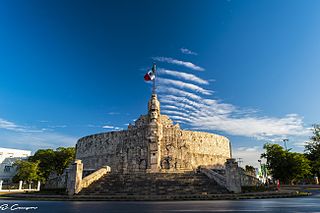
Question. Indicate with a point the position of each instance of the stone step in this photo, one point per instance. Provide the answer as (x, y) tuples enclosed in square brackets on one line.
[(153, 184)]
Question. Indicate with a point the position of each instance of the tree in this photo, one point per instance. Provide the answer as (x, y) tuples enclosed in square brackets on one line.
[(285, 165), (275, 156), (47, 161), (27, 171), (312, 149), (53, 160), (300, 166), (64, 156)]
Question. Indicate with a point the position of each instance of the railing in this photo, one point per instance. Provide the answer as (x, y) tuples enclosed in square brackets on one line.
[(21, 187), (76, 182), (88, 180), (220, 179)]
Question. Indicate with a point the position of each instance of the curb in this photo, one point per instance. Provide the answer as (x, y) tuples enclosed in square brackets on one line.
[(155, 197)]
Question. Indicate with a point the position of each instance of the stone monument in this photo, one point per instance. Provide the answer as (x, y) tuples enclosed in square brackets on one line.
[(153, 144), (156, 155)]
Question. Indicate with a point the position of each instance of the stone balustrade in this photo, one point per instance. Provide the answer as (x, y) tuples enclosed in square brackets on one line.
[(76, 183), (87, 181), (231, 180), (220, 179)]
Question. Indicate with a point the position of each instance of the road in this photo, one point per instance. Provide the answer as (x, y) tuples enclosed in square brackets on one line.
[(297, 204)]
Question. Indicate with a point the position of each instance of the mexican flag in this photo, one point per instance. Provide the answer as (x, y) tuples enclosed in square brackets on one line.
[(151, 74)]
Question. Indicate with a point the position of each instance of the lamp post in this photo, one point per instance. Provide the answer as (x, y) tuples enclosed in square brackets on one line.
[(285, 143), (260, 170), (239, 161)]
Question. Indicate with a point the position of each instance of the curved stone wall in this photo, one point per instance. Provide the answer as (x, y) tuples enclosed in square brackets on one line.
[(153, 144), (121, 150), (127, 151), (186, 150)]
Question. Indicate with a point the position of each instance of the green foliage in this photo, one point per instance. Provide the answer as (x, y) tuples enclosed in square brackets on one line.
[(300, 166), (312, 150), (64, 156), (275, 156), (27, 171), (284, 165), (48, 161)]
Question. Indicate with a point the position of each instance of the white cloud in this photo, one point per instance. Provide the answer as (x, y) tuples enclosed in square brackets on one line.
[(178, 106), (27, 137), (108, 127), (9, 125), (300, 144), (113, 113), (4, 124), (187, 51), (210, 107), (112, 127), (169, 107), (248, 149), (258, 127), (201, 113), (183, 85), (35, 141), (182, 75), (171, 112), (178, 62), (249, 155), (180, 118), (170, 90), (57, 126)]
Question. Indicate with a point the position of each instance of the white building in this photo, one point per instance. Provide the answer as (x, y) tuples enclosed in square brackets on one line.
[(7, 159)]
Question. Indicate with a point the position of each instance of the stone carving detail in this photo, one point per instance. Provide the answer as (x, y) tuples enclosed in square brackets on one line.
[(152, 144)]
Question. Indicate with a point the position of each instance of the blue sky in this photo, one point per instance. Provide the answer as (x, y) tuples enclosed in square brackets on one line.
[(70, 68)]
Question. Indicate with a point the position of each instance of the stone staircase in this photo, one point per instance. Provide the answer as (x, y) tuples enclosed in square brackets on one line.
[(153, 184)]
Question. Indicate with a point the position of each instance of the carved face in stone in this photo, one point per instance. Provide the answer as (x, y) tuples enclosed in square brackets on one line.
[(153, 115)]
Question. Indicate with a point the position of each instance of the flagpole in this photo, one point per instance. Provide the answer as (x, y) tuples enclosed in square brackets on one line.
[(154, 80)]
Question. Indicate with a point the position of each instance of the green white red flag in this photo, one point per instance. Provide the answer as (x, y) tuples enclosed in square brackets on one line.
[(151, 74)]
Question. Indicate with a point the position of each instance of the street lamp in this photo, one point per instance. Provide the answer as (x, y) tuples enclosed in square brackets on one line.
[(240, 161), (260, 169), (285, 143)]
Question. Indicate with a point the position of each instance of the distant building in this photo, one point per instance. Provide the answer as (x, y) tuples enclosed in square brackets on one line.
[(7, 159)]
